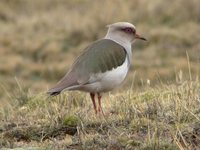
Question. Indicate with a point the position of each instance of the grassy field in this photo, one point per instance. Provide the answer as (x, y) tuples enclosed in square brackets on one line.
[(157, 107)]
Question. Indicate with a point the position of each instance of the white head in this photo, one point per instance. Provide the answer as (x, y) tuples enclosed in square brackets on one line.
[(123, 32)]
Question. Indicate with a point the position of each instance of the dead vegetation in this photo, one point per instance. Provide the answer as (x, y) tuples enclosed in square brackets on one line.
[(157, 118), (156, 108)]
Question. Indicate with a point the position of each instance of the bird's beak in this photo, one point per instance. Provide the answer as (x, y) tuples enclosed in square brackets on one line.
[(137, 36)]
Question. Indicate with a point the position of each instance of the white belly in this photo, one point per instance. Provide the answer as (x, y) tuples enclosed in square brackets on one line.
[(107, 81)]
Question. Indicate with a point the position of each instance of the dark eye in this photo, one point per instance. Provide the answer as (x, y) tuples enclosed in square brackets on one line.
[(129, 30)]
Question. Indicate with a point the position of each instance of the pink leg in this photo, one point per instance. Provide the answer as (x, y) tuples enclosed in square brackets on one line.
[(92, 95), (99, 101)]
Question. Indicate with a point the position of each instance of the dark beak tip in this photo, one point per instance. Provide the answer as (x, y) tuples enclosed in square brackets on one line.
[(140, 37), (144, 39)]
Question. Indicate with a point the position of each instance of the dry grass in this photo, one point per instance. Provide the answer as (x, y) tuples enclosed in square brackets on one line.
[(157, 118), (40, 39)]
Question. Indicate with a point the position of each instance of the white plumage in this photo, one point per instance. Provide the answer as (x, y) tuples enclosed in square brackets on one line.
[(106, 81)]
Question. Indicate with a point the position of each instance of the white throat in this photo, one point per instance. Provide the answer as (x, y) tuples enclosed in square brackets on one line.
[(118, 38)]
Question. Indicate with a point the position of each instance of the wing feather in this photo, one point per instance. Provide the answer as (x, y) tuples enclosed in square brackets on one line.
[(101, 56)]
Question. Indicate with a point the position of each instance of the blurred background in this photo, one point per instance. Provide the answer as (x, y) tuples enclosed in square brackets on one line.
[(39, 40)]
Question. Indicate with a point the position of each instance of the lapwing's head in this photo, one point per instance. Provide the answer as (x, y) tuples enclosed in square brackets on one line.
[(123, 31)]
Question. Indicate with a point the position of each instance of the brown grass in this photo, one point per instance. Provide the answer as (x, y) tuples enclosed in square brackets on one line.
[(38, 43)]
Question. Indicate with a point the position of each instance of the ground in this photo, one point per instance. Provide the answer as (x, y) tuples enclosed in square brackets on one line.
[(157, 107)]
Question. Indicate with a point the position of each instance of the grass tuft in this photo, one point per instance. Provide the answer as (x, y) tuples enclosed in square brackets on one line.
[(156, 108)]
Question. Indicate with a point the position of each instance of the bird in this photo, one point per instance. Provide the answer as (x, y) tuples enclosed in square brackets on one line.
[(102, 65)]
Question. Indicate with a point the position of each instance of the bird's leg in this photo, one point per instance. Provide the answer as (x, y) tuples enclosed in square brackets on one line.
[(92, 95), (99, 101)]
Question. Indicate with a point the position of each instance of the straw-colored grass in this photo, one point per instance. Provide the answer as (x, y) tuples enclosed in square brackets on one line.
[(166, 117), (157, 107)]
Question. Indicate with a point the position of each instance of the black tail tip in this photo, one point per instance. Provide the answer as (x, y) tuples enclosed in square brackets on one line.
[(53, 93)]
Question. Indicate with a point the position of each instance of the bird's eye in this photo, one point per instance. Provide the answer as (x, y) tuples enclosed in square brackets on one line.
[(129, 30)]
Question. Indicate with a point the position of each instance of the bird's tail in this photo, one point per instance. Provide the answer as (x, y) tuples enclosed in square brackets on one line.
[(53, 93), (66, 82), (55, 90)]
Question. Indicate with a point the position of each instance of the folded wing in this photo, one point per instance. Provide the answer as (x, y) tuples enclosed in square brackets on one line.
[(103, 55)]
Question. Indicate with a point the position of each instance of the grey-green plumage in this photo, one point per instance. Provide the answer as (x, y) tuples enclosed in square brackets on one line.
[(103, 55)]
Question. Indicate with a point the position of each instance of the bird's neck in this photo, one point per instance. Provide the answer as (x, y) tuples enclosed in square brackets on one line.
[(120, 39)]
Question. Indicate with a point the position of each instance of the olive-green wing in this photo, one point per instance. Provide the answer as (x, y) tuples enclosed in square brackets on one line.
[(103, 55)]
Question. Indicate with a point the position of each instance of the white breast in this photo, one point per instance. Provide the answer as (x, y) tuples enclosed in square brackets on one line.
[(106, 81)]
